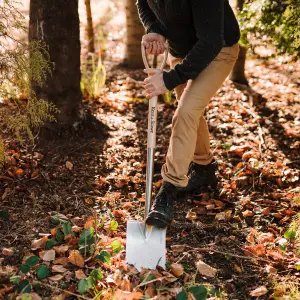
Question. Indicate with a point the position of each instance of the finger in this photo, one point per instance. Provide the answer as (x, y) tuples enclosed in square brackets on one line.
[(154, 47), (162, 48), (151, 70), (148, 86)]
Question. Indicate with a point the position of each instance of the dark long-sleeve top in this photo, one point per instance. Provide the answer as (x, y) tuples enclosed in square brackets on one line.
[(195, 29)]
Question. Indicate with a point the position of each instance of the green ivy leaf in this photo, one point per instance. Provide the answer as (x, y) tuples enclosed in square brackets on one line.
[(183, 295), (87, 236), (32, 261), (97, 274), (15, 279), (42, 272), (59, 236), (26, 297), (114, 225), (104, 256), (24, 268), (4, 215), (290, 234), (147, 277), (67, 229), (199, 292), (85, 284), (49, 244), (24, 287), (116, 246)]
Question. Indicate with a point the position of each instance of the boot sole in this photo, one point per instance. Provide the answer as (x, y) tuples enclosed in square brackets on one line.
[(157, 220)]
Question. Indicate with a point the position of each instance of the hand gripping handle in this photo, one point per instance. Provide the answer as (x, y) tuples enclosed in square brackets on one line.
[(145, 60)]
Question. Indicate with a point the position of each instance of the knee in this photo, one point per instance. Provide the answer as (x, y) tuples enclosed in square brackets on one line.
[(185, 117)]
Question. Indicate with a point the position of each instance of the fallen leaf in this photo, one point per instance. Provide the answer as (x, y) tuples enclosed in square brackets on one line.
[(57, 277), (266, 237), (58, 269), (125, 285), (61, 261), (76, 258), (69, 165), (271, 270), (127, 206), (118, 213), (19, 172), (61, 250), (150, 292), (176, 269), (224, 215), (275, 255), (260, 291), (258, 250), (79, 274), (8, 251), (237, 268), (89, 223), (205, 269), (178, 248), (47, 255), (266, 211), (37, 244), (248, 213)]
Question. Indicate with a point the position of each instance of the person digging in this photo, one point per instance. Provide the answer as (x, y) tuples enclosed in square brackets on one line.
[(203, 42)]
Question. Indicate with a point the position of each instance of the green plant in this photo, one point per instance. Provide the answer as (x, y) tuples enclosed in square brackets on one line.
[(19, 64), (93, 76), (273, 21)]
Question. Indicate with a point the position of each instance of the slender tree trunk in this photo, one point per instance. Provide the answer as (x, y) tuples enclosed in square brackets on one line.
[(134, 33), (89, 27), (238, 72), (56, 24)]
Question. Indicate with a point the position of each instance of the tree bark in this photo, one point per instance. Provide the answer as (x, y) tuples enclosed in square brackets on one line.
[(134, 33), (89, 27), (238, 72), (56, 24)]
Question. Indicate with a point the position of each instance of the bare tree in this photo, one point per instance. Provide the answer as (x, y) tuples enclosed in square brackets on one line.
[(56, 24), (134, 33)]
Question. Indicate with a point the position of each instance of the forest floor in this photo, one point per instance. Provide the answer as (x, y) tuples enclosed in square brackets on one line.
[(65, 203)]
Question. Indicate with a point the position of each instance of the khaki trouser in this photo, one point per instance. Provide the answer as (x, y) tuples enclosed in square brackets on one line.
[(190, 137)]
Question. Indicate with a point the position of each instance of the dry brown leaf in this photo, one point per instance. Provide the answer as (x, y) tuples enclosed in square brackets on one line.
[(8, 251), (258, 250), (224, 215), (176, 269), (69, 165), (37, 244), (266, 211), (127, 206), (178, 248), (248, 213), (60, 250), (89, 223), (122, 295), (150, 292), (275, 254), (47, 255), (79, 274), (118, 213), (76, 228), (271, 270), (61, 261), (57, 277), (205, 270), (132, 195), (76, 258), (58, 269), (260, 291), (125, 285), (19, 172), (237, 268), (266, 237)]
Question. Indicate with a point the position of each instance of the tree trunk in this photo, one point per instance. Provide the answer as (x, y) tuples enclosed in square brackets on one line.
[(134, 33), (89, 27), (238, 72), (56, 24)]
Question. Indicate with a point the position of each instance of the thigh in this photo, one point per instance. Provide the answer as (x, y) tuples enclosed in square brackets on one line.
[(199, 91)]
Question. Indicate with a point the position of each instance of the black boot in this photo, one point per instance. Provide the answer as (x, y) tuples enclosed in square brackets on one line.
[(161, 213), (202, 178)]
